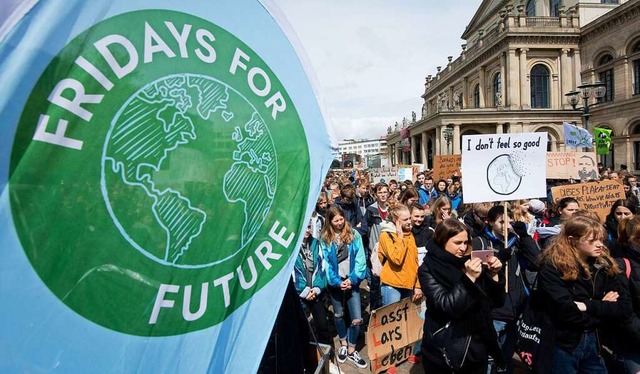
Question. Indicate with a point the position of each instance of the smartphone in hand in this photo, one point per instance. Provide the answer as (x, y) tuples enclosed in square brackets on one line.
[(483, 255)]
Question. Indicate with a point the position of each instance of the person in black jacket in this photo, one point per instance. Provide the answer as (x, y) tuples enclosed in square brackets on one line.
[(623, 336), (581, 288), (460, 293), (519, 256)]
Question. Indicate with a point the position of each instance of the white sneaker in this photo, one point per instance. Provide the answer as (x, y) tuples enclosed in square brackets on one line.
[(342, 354), (357, 360)]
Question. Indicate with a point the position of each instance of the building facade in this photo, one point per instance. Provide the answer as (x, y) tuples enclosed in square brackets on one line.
[(519, 60), (373, 152), (610, 48)]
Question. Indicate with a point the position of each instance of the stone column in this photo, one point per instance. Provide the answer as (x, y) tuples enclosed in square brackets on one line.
[(513, 80), (412, 144), (438, 151), (456, 139), (482, 85), (423, 148), (465, 92), (503, 78), (577, 68), (525, 94), (398, 155), (565, 77), (499, 129)]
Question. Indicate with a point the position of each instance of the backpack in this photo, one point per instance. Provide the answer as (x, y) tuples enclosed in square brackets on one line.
[(376, 265)]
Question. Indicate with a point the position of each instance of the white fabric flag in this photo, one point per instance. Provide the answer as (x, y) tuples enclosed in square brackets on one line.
[(575, 136)]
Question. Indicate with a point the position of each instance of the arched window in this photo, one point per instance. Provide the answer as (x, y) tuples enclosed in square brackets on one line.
[(497, 90), (605, 75), (476, 96), (636, 68), (554, 8), (540, 87), (531, 8)]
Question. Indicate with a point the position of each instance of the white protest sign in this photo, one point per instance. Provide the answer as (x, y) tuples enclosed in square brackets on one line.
[(498, 167), (405, 174)]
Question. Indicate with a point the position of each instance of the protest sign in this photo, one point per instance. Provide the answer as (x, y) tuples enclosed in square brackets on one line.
[(498, 167), (128, 127), (587, 166), (444, 166), (393, 330), (572, 165), (603, 140), (597, 197), (405, 174), (562, 165), (377, 175)]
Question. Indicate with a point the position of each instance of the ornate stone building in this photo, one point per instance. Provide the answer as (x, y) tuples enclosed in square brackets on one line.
[(520, 58), (610, 48)]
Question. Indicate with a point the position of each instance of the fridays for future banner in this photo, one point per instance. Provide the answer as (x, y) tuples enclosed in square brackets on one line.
[(499, 167), (156, 167)]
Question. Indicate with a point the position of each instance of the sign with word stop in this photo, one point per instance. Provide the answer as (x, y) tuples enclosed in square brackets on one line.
[(393, 330)]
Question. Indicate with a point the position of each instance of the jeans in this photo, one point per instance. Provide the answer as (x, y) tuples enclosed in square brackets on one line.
[(583, 359), (507, 332), (352, 299), (392, 295)]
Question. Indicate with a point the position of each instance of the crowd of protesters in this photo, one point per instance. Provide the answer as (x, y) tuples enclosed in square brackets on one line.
[(583, 271)]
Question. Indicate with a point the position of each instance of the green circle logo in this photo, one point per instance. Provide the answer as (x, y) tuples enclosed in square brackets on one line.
[(149, 174)]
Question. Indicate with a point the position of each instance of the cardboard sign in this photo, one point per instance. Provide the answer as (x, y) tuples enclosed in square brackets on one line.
[(444, 166), (393, 330), (561, 165), (572, 165), (499, 167), (597, 197), (376, 175)]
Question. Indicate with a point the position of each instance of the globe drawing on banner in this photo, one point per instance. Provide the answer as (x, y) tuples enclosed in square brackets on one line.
[(159, 175), (502, 177), (179, 109)]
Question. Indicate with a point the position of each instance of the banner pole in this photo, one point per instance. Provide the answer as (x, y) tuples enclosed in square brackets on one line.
[(505, 233)]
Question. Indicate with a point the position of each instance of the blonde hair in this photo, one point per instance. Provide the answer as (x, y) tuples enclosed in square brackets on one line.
[(564, 255), (328, 233), (395, 212), (519, 213)]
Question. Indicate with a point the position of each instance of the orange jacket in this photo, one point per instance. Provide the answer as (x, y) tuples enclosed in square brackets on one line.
[(400, 259)]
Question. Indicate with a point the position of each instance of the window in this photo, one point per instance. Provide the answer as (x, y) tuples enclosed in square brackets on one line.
[(607, 77), (609, 2), (531, 8), (540, 87), (554, 8), (497, 90), (476, 96)]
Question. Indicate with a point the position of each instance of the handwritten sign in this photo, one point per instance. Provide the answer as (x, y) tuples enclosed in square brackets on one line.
[(498, 167), (376, 175), (597, 197), (393, 330), (572, 165), (445, 165)]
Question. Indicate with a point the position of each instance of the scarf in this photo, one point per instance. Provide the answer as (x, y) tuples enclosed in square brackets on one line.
[(445, 267)]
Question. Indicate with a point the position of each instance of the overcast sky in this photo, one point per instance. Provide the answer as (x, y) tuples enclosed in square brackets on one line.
[(370, 57)]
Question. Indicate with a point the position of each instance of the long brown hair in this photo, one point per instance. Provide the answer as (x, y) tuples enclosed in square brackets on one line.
[(564, 255), (629, 231), (328, 233), (437, 205), (520, 214), (447, 229)]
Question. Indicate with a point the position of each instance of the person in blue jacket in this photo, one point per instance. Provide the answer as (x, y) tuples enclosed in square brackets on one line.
[(345, 267), (310, 281)]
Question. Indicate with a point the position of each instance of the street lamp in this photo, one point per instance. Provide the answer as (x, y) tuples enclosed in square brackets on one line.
[(585, 91), (447, 131)]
